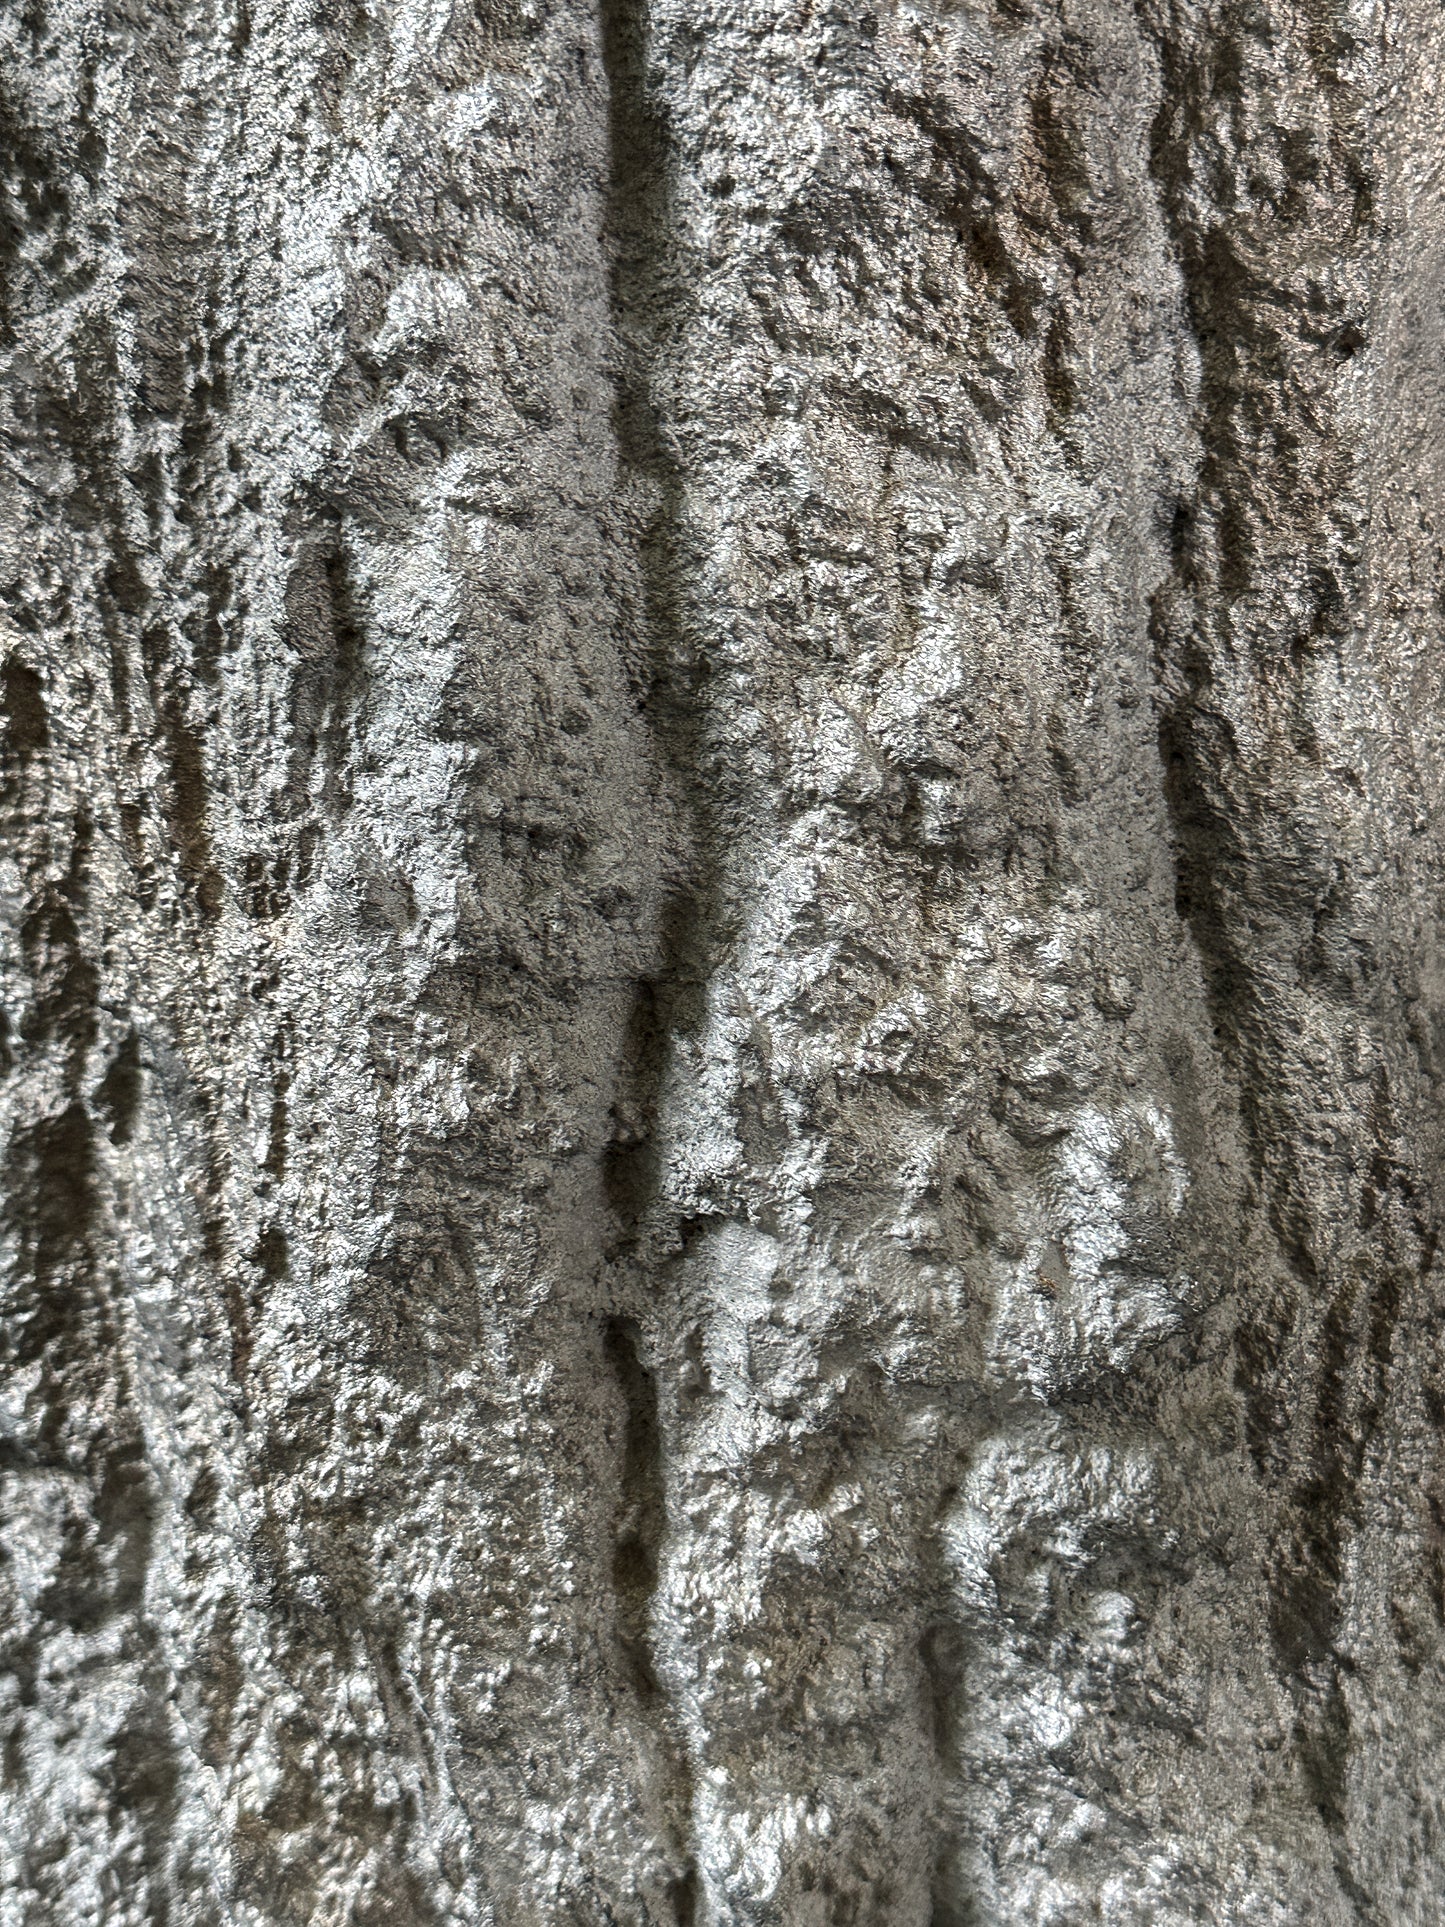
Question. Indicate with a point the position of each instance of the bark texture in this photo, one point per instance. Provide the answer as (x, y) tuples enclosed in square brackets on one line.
[(724, 1007)]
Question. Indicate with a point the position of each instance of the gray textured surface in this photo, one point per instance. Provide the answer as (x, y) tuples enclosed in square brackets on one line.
[(722, 897)]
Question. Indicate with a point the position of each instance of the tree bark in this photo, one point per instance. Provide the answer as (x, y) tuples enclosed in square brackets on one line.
[(722, 961)]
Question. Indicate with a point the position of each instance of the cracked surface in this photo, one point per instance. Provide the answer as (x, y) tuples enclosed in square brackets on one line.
[(722, 987)]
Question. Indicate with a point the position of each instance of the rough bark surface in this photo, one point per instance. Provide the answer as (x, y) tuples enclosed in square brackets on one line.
[(724, 1009)]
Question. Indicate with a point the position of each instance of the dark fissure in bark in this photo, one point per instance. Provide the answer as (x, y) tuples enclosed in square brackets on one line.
[(647, 257), (646, 261), (640, 1522), (639, 1532)]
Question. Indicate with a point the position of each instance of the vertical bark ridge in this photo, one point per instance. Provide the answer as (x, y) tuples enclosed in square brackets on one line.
[(1264, 640)]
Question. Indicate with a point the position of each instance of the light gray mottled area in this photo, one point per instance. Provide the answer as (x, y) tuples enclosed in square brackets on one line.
[(722, 963)]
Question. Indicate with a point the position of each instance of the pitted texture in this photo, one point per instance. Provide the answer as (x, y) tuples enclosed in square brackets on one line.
[(722, 986)]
